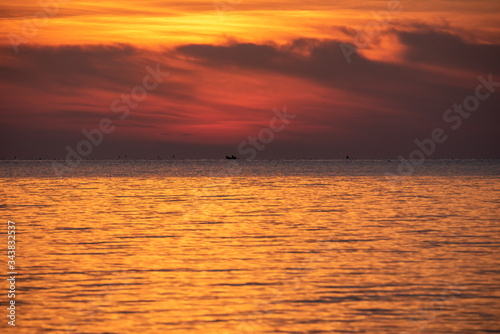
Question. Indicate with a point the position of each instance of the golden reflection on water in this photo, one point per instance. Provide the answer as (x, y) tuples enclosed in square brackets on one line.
[(257, 254)]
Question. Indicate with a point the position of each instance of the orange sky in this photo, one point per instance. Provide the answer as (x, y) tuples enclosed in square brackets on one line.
[(154, 24), (232, 62)]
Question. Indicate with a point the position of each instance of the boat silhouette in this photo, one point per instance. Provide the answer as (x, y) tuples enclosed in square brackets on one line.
[(231, 157)]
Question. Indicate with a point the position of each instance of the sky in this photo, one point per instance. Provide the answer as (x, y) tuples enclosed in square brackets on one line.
[(205, 79)]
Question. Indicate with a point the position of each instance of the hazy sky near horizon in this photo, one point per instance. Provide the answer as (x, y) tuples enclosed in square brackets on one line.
[(231, 62)]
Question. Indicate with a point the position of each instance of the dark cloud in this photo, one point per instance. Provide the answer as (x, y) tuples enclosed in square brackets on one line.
[(68, 66), (450, 51), (323, 60), (69, 70), (319, 60), (396, 85)]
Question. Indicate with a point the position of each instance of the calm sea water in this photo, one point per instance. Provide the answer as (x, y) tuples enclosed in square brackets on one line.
[(253, 247)]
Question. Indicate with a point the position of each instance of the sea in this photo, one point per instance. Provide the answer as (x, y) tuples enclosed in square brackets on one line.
[(265, 246)]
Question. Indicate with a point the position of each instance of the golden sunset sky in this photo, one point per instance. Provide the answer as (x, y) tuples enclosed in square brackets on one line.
[(231, 62)]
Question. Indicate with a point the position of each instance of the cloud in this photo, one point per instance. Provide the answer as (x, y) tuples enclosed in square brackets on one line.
[(450, 51), (221, 94), (70, 66)]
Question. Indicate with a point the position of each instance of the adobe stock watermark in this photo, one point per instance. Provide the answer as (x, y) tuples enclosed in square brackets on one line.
[(122, 107), (39, 19), (224, 6), (266, 135), (371, 30), (11, 272), (454, 117)]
